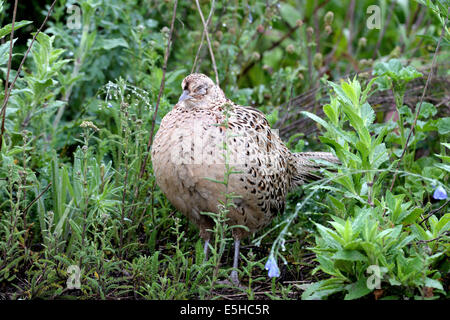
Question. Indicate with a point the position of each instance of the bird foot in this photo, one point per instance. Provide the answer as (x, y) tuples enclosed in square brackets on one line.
[(235, 278), (231, 283), (234, 281)]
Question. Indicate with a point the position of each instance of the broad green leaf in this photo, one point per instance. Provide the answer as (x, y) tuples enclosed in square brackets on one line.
[(323, 289), (328, 233), (340, 93), (8, 28), (432, 283), (290, 14), (348, 232), (331, 114), (4, 52), (427, 110), (443, 224), (108, 44), (317, 119), (443, 125), (327, 266), (378, 156), (357, 289), (412, 215), (420, 232), (350, 93), (349, 255)]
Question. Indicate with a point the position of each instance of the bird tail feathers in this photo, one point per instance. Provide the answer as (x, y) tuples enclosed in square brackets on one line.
[(306, 169)]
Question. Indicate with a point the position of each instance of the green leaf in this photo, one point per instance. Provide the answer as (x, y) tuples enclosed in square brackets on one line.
[(353, 245), (8, 28), (108, 44), (327, 266), (412, 216), (333, 239), (442, 166), (342, 96), (348, 232), (4, 52), (290, 14), (409, 73), (431, 283), (350, 93), (75, 228), (331, 114), (427, 110), (357, 289), (443, 125), (337, 203), (378, 156), (173, 75), (347, 182), (367, 114), (317, 119), (420, 232), (443, 224), (349, 255), (322, 289)]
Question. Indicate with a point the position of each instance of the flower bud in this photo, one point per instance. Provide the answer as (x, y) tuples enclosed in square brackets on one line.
[(219, 35), (362, 42), (329, 18), (290, 49), (318, 60), (165, 30), (256, 56), (268, 68), (364, 75), (89, 124)]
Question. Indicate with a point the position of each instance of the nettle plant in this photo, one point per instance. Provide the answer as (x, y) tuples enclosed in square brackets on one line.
[(378, 238)]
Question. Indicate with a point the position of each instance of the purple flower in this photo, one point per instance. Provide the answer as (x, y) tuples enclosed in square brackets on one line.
[(110, 105), (272, 266), (440, 193)]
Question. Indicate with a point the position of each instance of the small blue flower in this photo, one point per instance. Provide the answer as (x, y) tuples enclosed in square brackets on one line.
[(272, 266), (440, 193)]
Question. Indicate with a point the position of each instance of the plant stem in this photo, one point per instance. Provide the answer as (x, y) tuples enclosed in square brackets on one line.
[(8, 93)]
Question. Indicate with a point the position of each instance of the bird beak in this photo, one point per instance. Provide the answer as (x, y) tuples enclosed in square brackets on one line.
[(184, 96)]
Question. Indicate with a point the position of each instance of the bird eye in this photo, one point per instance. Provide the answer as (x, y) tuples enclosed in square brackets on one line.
[(201, 90)]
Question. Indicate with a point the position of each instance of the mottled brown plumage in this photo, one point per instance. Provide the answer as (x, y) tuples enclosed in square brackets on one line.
[(188, 152)]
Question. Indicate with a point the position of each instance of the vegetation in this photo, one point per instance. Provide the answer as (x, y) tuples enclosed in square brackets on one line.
[(81, 215)]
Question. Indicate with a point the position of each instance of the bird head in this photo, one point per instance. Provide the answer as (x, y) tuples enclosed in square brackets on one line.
[(198, 89)]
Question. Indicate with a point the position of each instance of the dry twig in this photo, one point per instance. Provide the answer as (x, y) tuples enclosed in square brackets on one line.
[(205, 26), (161, 90), (434, 211), (11, 45), (203, 36)]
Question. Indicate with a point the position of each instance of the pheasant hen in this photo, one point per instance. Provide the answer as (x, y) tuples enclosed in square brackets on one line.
[(188, 153)]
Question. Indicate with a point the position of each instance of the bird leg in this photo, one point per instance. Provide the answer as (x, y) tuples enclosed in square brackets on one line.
[(234, 273), (206, 249)]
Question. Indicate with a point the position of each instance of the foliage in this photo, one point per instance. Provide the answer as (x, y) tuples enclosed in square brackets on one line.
[(371, 225), (76, 182)]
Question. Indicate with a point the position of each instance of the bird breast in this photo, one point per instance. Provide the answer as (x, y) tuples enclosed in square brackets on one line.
[(191, 153)]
